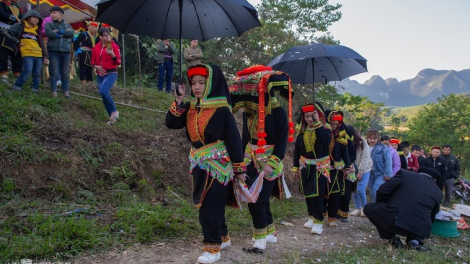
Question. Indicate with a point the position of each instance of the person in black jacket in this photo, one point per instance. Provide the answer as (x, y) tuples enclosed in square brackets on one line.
[(349, 176), (86, 42), (406, 205), (266, 130), (436, 162), (312, 162), (10, 13), (216, 155), (453, 172), (340, 166), (416, 152)]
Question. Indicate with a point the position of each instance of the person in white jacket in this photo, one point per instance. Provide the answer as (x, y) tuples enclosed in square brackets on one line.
[(364, 165)]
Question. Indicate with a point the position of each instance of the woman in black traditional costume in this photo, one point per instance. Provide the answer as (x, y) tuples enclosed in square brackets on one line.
[(86, 42), (311, 159), (340, 165), (349, 179), (216, 151), (266, 131)]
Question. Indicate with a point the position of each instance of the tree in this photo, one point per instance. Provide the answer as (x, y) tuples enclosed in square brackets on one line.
[(305, 17), (445, 122), (362, 113)]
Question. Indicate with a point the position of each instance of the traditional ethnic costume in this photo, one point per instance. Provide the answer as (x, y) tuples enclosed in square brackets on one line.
[(216, 154), (349, 181), (340, 167), (84, 44), (266, 130), (10, 14), (312, 160)]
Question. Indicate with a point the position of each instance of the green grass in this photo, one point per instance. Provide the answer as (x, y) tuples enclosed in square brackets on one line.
[(72, 186)]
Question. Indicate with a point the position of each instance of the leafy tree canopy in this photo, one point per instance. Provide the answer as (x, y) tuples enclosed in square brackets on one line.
[(445, 122)]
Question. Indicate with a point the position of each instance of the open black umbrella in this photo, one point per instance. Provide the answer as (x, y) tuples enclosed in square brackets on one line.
[(319, 62), (191, 19)]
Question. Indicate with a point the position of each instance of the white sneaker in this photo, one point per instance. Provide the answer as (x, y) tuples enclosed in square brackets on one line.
[(260, 243), (59, 83), (225, 244), (332, 224), (309, 223), (208, 257), (355, 212), (362, 212), (317, 229), (271, 238)]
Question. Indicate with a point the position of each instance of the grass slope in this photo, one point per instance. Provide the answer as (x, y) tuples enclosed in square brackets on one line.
[(72, 186)]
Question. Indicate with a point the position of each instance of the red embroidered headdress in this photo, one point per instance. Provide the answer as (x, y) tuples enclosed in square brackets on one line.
[(253, 89)]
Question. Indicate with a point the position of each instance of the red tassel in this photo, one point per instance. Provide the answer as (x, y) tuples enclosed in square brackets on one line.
[(259, 151), (290, 139), (291, 124), (262, 135), (291, 131), (261, 142)]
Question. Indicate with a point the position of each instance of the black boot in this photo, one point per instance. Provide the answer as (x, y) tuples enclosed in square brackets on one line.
[(396, 242)]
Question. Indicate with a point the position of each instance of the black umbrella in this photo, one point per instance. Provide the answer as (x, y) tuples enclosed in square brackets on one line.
[(319, 62), (191, 19)]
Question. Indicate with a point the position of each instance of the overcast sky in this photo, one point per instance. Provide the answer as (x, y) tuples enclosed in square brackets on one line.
[(401, 37)]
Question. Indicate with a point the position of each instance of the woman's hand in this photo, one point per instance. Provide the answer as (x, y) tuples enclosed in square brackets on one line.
[(110, 52), (100, 69), (179, 98), (241, 176), (267, 170), (359, 176), (387, 178), (45, 61)]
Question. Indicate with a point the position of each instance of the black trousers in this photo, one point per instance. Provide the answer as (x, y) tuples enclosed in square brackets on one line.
[(15, 58), (385, 229), (332, 203), (315, 204), (261, 210), (85, 71), (346, 197), (212, 211)]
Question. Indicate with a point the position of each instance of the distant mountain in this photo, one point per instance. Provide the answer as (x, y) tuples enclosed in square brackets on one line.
[(424, 88)]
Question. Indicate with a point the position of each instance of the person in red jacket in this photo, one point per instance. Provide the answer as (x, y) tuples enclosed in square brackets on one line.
[(105, 59)]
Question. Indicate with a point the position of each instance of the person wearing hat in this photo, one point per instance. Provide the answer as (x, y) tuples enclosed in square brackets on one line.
[(84, 43), (406, 205), (312, 162), (395, 144), (27, 35), (10, 14), (216, 155), (436, 162), (265, 133), (341, 169), (59, 46)]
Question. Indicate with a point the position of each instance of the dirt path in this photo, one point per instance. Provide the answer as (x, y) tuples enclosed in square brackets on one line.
[(358, 231)]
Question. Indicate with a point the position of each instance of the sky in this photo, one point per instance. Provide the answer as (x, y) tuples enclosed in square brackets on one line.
[(399, 38)]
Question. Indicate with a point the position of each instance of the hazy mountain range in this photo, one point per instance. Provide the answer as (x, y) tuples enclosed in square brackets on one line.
[(425, 87)]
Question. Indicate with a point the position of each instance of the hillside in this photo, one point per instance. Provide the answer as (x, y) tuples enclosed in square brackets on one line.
[(425, 87), (75, 190)]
